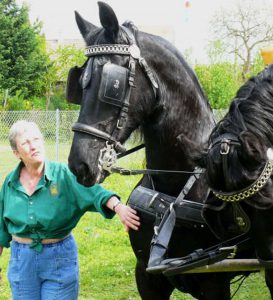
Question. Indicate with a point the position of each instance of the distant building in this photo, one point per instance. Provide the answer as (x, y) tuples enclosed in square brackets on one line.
[(166, 32), (53, 44)]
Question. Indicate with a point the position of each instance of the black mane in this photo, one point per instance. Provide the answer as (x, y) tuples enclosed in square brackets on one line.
[(250, 119)]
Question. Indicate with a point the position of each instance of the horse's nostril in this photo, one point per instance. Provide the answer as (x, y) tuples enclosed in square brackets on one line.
[(84, 175), (83, 170)]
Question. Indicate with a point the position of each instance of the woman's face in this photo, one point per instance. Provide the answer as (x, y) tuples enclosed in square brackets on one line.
[(30, 146)]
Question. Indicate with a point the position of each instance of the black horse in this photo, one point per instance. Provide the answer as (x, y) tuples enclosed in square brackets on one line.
[(134, 80), (239, 163)]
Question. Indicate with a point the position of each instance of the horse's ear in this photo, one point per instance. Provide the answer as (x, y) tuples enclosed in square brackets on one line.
[(252, 146), (108, 19), (86, 28)]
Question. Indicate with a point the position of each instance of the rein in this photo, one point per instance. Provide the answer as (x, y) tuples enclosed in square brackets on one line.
[(109, 165), (124, 171)]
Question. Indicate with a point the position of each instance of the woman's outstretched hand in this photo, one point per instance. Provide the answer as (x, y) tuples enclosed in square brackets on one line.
[(128, 217)]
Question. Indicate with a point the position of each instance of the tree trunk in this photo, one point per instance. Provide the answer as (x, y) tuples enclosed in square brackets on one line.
[(48, 97), (6, 94)]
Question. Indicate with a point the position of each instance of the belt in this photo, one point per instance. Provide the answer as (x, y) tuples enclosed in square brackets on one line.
[(22, 240)]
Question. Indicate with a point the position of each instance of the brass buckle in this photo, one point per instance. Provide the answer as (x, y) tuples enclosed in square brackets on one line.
[(233, 253), (225, 147)]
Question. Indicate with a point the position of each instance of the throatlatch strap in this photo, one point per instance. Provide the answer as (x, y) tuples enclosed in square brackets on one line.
[(163, 232)]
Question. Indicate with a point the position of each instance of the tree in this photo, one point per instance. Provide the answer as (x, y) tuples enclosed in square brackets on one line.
[(23, 58), (244, 28), (64, 58)]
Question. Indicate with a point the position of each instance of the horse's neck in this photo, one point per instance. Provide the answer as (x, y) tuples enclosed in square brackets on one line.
[(187, 110), (181, 130), (184, 123), (161, 155)]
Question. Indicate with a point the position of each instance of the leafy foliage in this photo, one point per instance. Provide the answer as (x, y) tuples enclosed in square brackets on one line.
[(64, 58), (257, 66), (219, 82), (23, 58), (221, 78), (54, 80), (17, 102)]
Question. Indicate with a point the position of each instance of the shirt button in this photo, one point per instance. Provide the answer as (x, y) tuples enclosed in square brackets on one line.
[(31, 217), (30, 202)]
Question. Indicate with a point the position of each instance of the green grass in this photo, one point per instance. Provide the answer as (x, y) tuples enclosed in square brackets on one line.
[(106, 258)]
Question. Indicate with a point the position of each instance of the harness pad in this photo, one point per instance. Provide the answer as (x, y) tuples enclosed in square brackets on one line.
[(154, 204)]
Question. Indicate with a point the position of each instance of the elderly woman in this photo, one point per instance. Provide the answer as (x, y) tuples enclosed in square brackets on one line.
[(40, 204)]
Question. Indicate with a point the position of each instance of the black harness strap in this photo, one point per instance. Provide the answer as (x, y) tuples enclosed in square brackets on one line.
[(163, 232)]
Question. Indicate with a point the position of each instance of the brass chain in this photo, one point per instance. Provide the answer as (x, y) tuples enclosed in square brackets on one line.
[(249, 191)]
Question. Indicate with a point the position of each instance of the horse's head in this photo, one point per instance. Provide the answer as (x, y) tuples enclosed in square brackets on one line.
[(238, 162), (234, 162), (239, 165), (111, 87)]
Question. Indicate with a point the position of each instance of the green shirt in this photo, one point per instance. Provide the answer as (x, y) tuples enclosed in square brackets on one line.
[(52, 211)]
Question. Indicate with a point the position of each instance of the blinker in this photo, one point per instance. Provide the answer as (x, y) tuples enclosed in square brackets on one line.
[(77, 80), (73, 86), (113, 85)]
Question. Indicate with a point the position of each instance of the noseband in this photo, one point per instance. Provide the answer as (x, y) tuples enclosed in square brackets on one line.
[(225, 142), (79, 127), (107, 155)]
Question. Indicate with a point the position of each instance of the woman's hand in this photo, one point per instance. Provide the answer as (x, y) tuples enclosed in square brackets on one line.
[(128, 217)]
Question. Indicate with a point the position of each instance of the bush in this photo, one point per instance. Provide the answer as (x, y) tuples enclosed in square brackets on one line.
[(257, 66), (220, 82), (59, 101), (18, 102)]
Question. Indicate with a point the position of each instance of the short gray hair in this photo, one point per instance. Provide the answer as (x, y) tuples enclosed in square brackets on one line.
[(20, 127)]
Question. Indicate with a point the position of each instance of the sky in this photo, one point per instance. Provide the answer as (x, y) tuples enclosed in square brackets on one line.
[(189, 20)]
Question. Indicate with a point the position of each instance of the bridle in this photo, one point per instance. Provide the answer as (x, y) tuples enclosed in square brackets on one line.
[(226, 141), (108, 154)]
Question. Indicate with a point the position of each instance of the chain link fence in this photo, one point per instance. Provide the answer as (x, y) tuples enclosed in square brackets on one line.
[(55, 126), (219, 114)]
